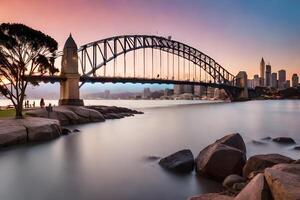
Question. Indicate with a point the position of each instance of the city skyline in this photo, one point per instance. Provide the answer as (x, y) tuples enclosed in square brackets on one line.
[(235, 33)]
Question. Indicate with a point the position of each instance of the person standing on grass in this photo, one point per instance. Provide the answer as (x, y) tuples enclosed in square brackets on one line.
[(42, 103)]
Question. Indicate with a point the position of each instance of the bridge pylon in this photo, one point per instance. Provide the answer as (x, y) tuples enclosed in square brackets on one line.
[(69, 89)]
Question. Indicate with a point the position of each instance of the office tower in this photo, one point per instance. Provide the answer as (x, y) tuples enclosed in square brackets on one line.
[(268, 76), (262, 72), (199, 90), (256, 80), (188, 89), (295, 80), (281, 79), (274, 82)]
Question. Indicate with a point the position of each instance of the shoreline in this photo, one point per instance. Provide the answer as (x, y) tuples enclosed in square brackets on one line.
[(39, 125)]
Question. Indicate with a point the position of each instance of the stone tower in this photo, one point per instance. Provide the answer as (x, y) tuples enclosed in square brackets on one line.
[(69, 89)]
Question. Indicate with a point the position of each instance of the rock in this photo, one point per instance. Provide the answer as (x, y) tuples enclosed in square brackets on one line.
[(284, 181), (260, 162), (297, 147), (256, 189), (284, 140), (224, 157), (211, 196), (39, 129), (266, 138), (234, 140), (76, 130), (12, 133), (181, 161), (151, 158), (219, 161), (65, 131), (230, 180), (238, 186), (258, 142), (296, 162)]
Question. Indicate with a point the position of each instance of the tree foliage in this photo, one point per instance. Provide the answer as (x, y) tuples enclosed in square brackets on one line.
[(23, 51)]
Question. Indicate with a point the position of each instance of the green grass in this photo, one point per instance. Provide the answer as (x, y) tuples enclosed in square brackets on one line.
[(7, 113)]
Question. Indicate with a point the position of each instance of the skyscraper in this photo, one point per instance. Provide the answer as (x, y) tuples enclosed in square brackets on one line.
[(274, 82), (256, 81), (295, 80), (268, 76), (281, 79), (262, 72)]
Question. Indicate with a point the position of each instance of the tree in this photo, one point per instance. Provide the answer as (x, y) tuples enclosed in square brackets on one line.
[(23, 52)]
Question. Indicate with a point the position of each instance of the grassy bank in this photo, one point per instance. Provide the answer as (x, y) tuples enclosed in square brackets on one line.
[(7, 113)]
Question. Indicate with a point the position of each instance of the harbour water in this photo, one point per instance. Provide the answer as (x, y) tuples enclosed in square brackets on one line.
[(111, 160)]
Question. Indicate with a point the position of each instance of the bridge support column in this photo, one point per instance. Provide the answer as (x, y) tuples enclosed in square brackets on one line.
[(69, 89), (242, 82)]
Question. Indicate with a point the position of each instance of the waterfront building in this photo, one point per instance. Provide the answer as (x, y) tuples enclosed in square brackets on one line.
[(268, 76), (199, 90), (281, 79), (288, 84), (295, 80), (178, 89), (188, 89), (256, 80), (146, 93), (106, 94), (168, 92), (262, 72), (274, 82), (250, 83)]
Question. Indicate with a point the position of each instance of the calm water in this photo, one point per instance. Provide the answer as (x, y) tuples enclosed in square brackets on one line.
[(109, 160)]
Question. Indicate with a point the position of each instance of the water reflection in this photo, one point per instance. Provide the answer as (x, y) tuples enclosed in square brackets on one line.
[(107, 160)]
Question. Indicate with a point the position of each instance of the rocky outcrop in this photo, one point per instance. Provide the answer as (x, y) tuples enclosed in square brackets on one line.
[(257, 189), (68, 115), (224, 157), (284, 140), (284, 181), (211, 196), (258, 163), (30, 129), (181, 161)]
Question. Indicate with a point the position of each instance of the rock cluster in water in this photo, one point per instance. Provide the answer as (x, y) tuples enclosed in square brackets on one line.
[(68, 115), (261, 177), (41, 125)]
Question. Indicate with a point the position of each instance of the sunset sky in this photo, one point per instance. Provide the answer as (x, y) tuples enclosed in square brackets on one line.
[(236, 33)]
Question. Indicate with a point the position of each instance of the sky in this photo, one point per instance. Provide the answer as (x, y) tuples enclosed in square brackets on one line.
[(236, 33)]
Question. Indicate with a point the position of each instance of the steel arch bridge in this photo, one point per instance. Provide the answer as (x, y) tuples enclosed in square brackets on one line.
[(95, 56)]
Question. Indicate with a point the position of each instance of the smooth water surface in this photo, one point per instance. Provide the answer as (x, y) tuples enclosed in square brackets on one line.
[(110, 160)]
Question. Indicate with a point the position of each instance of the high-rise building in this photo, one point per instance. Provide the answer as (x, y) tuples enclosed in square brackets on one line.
[(106, 94), (168, 92), (262, 72), (274, 82), (287, 84), (256, 80), (281, 79), (268, 76), (295, 80)]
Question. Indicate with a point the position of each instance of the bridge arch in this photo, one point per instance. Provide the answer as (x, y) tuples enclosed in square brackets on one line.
[(97, 54)]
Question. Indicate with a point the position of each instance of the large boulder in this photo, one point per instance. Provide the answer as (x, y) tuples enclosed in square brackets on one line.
[(12, 133), (211, 196), (257, 189), (233, 140), (284, 140), (181, 161), (284, 181), (258, 163), (224, 157), (40, 129), (232, 179)]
